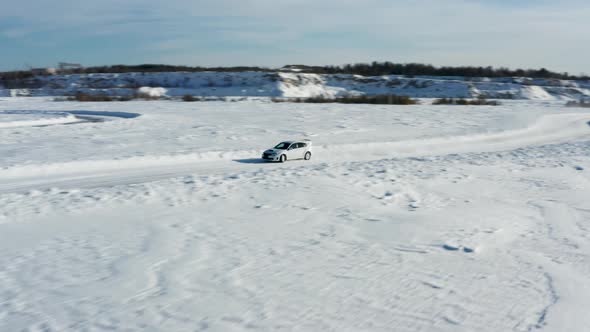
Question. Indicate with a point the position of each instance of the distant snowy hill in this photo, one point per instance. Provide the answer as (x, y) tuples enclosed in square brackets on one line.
[(294, 84)]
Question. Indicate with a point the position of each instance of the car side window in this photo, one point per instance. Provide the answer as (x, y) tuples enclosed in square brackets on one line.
[(302, 145)]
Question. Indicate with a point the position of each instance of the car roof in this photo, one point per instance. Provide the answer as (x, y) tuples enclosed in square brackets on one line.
[(291, 142)]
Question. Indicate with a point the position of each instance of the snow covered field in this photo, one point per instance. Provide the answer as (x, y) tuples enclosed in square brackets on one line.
[(408, 218)]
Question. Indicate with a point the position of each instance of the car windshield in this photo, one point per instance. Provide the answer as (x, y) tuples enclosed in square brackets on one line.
[(283, 146)]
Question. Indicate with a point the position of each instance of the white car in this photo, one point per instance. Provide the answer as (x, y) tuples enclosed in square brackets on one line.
[(289, 150)]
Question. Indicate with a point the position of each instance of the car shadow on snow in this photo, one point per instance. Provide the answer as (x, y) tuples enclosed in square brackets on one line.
[(124, 115), (251, 161)]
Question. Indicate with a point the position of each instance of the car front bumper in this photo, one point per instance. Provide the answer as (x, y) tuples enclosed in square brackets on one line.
[(270, 157)]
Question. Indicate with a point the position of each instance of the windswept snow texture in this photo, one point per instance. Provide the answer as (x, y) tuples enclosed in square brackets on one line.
[(407, 218), (283, 84)]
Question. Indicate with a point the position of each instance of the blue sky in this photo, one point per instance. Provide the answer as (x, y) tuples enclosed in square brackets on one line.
[(513, 33)]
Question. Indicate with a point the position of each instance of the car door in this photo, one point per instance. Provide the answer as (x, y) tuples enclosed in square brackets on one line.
[(292, 151), (295, 151)]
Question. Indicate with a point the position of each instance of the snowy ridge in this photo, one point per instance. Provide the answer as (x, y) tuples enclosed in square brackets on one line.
[(10, 119), (282, 84)]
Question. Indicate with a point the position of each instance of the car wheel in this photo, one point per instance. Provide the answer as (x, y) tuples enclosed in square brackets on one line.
[(283, 158), (307, 155)]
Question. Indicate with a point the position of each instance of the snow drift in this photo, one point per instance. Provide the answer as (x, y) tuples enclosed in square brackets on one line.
[(11, 119)]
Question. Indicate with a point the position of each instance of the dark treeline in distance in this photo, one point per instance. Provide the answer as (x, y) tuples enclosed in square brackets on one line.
[(365, 69), (411, 69)]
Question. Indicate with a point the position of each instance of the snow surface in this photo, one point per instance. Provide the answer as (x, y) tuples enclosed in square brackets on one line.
[(294, 84), (10, 119), (407, 218)]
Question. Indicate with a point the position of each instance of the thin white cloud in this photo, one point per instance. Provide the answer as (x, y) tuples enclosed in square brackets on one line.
[(14, 33)]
